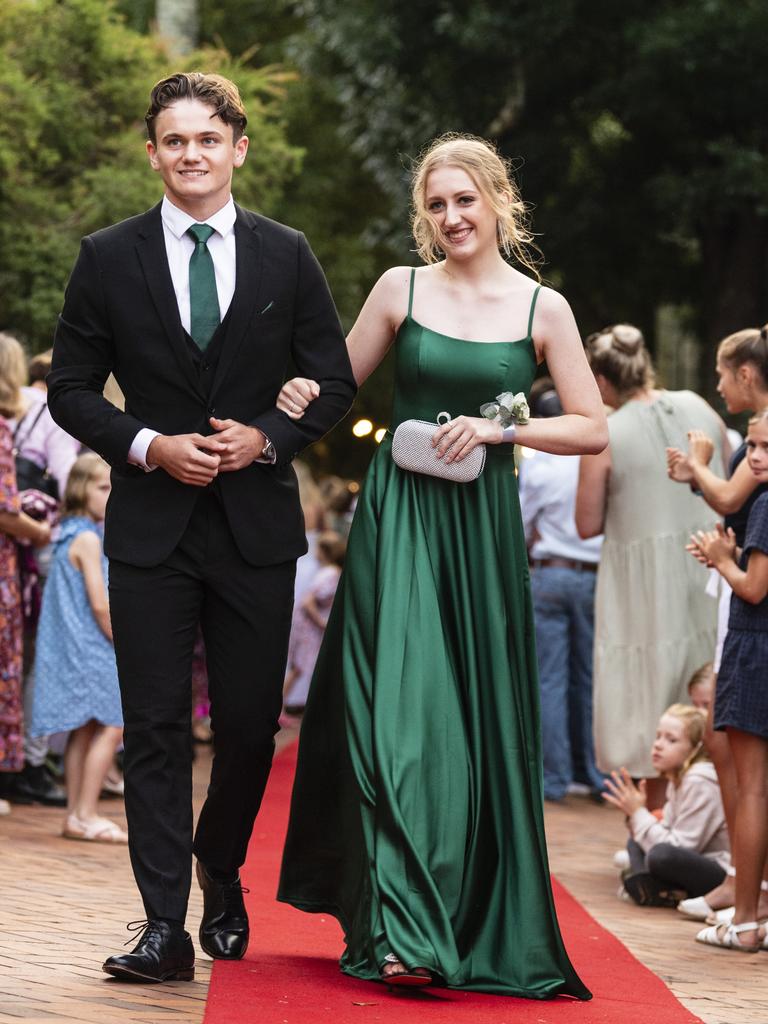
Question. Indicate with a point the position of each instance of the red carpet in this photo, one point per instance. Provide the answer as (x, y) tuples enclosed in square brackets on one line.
[(291, 976)]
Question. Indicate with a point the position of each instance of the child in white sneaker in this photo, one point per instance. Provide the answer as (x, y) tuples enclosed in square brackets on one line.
[(687, 850)]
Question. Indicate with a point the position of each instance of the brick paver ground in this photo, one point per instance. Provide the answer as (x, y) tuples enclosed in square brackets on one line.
[(64, 906)]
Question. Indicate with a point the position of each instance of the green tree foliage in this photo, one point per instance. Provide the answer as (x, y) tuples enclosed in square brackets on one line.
[(74, 82), (642, 128)]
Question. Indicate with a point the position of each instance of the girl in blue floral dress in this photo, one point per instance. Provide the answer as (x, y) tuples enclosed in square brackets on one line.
[(76, 687)]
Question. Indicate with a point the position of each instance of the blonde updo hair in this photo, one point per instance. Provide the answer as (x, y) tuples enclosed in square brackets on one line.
[(13, 375), (84, 469), (619, 354), (493, 177), (694, 723), (748, 346)]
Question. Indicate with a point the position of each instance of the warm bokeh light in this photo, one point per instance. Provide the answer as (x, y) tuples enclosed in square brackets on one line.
[(362, 428), (380, 435)]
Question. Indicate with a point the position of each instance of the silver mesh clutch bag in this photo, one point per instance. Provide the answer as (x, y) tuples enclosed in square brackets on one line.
[(412, 450)]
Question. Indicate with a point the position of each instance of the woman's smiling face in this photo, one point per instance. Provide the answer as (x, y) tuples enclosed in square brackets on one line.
[(464, 217)]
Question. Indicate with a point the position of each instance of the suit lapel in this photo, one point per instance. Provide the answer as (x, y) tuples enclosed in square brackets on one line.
[(248, 250), (154, 263)]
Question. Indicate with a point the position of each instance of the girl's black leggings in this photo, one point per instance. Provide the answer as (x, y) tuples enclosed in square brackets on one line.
[(676, 867)]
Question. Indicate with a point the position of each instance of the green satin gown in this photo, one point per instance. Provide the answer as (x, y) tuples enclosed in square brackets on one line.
[(417, 816)]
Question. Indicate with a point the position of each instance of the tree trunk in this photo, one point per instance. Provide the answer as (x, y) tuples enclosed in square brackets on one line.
[(178, 23), (734, 279)]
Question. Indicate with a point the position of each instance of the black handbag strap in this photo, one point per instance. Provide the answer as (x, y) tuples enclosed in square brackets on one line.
[(17, 443)]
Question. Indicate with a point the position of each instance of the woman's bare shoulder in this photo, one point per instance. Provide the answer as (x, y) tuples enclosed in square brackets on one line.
[(396, 278), (390, 293), (552, 305)]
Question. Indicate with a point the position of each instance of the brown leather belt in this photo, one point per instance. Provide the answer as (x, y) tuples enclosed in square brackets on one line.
[(563, 563)]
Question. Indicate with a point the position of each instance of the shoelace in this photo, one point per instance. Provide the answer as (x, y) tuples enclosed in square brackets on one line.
[(147, 928), (233, 894)]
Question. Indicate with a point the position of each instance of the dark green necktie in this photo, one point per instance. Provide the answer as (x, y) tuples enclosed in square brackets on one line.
[(203, 297)]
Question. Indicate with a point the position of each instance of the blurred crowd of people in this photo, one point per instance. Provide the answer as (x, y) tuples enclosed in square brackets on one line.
[(649, 566)]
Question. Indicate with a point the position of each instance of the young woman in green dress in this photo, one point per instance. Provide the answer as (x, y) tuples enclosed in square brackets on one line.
[(417, 816)]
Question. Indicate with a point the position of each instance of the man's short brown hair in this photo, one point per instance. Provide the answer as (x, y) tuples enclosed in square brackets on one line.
[(215, 91)]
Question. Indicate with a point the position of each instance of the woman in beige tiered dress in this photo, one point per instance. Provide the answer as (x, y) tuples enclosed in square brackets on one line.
[(654, 623)]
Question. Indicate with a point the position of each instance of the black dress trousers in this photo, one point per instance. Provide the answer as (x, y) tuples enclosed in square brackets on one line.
[(245, 614)]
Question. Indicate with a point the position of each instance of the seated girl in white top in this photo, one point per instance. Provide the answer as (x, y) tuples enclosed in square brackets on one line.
[(687, 851)]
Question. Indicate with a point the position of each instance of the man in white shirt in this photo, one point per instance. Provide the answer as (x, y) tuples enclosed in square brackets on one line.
[(563, 576)]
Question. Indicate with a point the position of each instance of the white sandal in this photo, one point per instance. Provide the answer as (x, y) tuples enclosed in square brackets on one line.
[(101, 830), (721, 916), (726, 936)]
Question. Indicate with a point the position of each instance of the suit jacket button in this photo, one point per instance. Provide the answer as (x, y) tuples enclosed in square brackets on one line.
[(211, 410)]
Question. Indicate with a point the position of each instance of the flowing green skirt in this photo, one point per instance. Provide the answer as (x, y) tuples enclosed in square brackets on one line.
[(417, 815)]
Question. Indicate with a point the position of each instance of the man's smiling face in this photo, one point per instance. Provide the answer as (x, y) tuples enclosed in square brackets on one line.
[(195, 155)]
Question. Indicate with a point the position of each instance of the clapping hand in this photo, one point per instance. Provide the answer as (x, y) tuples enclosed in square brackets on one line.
[(678, 466), (622, 792), (700, 452), (713, 547), (700, 447)]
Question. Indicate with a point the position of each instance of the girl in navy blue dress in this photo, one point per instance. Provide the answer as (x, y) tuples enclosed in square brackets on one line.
[(741, 701), (742, 383)]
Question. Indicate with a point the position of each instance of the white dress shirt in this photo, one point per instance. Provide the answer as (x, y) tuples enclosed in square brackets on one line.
[(179, 247), (548, 486)]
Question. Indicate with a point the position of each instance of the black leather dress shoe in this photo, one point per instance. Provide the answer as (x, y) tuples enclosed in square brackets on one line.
[(163, 953), (224, 928)]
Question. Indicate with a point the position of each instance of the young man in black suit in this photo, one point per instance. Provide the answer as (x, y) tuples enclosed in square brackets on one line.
[(197, 307)]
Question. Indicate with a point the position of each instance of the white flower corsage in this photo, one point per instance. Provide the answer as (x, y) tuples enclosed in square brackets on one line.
[(507, 409)]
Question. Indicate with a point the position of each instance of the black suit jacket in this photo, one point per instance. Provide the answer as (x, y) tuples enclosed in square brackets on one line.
[(120, 315)]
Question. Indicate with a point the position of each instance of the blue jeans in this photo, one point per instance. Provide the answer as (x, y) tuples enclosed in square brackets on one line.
[(563, 604)]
